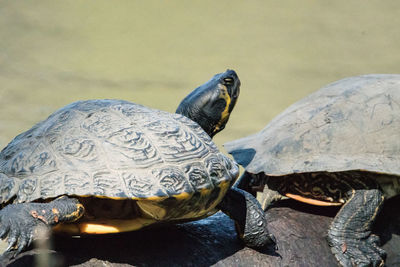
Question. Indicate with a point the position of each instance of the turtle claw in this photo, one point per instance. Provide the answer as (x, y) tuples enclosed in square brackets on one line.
[(12, 240), (17, 226), (24, 243), (4, 230), (21, 223), (355, 252)]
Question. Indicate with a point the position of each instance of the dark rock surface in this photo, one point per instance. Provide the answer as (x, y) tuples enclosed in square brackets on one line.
[(300, 231)]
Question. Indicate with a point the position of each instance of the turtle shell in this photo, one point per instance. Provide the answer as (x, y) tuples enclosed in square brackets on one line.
[(352, 124), (113, 149)]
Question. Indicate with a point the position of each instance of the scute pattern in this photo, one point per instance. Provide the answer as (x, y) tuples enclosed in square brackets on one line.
[(130, 147), (101, 123), (27, 188), (174, 143), (173, 180), (82, 149), (78, 183), (8, 188), (216, 169), (112, 148), (138, 184), (198, 176), (40, 160), (51, 184), (202, 135)]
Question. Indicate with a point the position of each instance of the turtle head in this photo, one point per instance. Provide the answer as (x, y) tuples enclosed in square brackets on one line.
[(211, 103)]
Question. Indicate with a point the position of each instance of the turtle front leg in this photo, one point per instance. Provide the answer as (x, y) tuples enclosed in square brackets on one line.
[(350, 235), (19, 221), (249, 217)]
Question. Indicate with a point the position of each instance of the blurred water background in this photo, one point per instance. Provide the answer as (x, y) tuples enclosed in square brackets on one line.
[(155, 52)]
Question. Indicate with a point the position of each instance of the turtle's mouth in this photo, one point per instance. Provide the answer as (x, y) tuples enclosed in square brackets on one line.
[(232, 83)]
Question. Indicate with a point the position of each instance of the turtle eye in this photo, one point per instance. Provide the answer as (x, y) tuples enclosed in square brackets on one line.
[(228, 81)]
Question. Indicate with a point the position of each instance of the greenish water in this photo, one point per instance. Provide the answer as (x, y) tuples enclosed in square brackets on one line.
[(155, 52)]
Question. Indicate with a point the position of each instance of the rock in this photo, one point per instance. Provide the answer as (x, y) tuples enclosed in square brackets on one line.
[(300, 231)]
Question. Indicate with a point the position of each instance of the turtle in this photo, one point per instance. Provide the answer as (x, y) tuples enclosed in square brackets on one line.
[(111, 166), (339, 146)]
